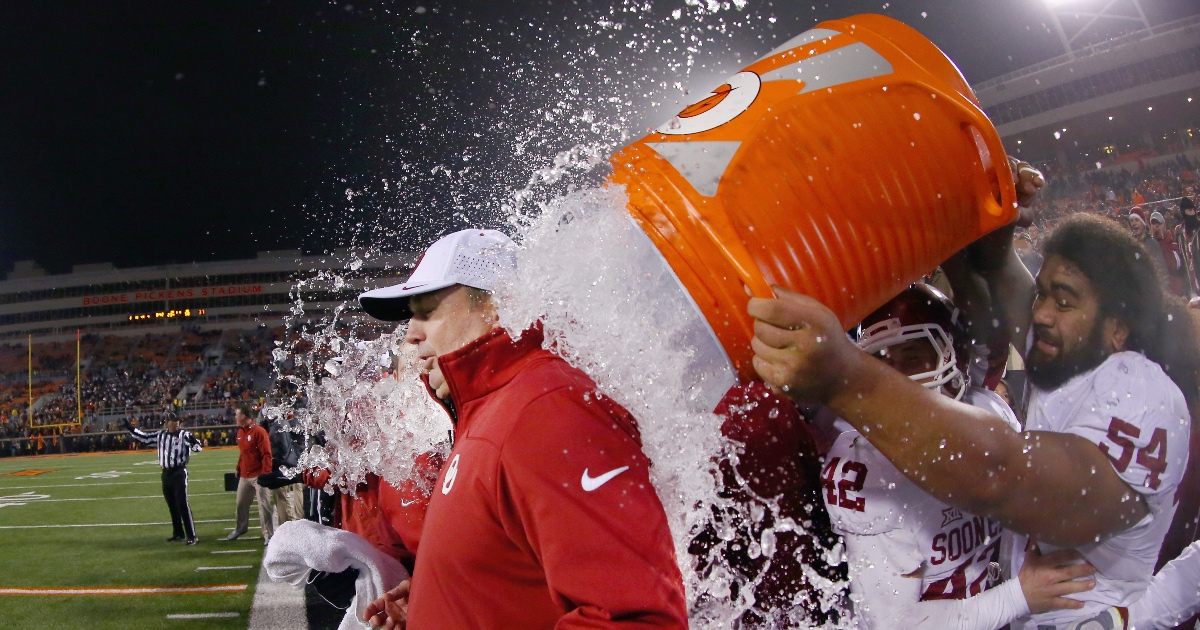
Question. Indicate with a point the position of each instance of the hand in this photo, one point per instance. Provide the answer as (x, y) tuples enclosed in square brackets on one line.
[(799, 346), (1028, 181), (1046, 579), (390, 611)]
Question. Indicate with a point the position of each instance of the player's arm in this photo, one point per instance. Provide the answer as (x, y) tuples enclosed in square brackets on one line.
[(887, 595), (1173, 596), (601, 538), (194, 443), (990, 282), (1057, 487)]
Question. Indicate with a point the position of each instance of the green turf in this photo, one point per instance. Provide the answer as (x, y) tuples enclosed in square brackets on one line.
[(123, 555)]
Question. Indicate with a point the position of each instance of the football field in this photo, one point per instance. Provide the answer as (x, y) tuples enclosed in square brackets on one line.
[(83, 543)]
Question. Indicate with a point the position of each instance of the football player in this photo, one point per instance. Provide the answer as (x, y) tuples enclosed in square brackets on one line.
[(913, 557), (1106, 439)]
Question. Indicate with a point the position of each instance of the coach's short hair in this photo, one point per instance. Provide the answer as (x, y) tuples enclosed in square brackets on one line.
[(246, 410)]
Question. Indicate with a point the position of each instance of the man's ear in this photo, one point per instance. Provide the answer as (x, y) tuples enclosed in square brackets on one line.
[(1116, 334)]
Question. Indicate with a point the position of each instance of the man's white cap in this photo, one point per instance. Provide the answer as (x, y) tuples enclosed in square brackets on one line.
[(473, 258)]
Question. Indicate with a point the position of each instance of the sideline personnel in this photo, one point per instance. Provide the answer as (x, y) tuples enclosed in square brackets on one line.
[(544, 515), (174, 449), (254, 460)]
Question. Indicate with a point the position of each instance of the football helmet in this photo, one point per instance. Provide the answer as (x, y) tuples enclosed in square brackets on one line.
[(921, 312)]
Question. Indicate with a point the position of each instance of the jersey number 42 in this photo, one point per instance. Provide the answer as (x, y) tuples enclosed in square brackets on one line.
[(841, 479)]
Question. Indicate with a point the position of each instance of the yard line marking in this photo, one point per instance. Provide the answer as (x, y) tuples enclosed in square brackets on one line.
[(149, 496), (235, 551), (218, 520), (110, 483), (226, 615), (122, 590), (240, 566)]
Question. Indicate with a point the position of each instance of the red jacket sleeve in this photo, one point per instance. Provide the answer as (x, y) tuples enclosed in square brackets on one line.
[(264, 450), (574, 487), (315, 478)]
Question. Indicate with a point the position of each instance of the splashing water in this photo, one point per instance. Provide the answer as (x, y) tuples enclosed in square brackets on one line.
[(363, 409), (608, 303), (610, 306)]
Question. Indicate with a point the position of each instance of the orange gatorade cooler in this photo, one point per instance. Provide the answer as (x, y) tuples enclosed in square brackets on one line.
[(845, 164)]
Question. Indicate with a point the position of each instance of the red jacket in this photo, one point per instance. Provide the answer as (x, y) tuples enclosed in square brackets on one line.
[(255, 447), (778, 460), (544, 515), (390, 518)]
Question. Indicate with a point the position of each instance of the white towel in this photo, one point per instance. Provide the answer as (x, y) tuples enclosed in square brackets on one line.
[(301, 546)]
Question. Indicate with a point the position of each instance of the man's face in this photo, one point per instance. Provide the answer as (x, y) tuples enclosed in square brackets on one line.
[(912, 357), (1138, 228), (442, 322), (1157, 230), (1068, 335), (1003, 393), (172, 426), (242, 419)]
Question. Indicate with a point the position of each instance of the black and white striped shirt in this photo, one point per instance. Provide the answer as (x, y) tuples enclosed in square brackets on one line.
[(173, 448)]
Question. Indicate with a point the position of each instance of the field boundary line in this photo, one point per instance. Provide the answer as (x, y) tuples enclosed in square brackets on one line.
[(96, 485), (149, 496)]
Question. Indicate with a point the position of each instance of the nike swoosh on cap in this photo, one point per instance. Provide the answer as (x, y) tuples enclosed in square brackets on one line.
[(591, 483)]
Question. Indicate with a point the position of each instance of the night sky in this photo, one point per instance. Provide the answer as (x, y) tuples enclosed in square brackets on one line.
[(156, 132)]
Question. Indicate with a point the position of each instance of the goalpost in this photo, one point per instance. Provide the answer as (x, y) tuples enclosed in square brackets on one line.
[(78, 388)]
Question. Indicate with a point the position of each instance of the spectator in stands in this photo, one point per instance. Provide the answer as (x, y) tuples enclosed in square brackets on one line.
[(1141, 234), (254, 460), (1187, 238), (1026, 252), (1173, 263)]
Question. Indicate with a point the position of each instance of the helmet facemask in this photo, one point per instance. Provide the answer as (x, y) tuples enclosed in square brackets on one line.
[(945, 377)]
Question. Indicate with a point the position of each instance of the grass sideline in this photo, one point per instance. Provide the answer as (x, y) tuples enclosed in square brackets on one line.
[(118, 488)]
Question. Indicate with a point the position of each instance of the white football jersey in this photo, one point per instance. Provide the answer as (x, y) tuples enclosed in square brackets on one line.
[(866, 495), (1137, 416)]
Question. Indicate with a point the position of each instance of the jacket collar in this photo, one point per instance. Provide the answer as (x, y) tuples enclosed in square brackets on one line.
[(487, 364)]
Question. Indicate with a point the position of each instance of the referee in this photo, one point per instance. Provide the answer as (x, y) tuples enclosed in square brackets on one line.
[(174, 448)]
